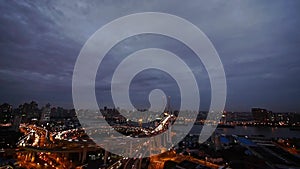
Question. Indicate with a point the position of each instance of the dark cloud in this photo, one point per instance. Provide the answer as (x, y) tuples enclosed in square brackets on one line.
[(258, 43)]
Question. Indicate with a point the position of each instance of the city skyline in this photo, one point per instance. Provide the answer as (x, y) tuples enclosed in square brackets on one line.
[(256, 41), (142, 109)]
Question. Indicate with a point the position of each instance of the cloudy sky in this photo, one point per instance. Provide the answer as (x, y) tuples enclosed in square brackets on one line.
[(258, 43)]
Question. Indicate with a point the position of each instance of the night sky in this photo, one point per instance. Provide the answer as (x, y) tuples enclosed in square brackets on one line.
[(257, 41)]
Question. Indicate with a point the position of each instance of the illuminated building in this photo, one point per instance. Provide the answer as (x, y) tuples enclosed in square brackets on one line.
[(45, 117), (259, 115)]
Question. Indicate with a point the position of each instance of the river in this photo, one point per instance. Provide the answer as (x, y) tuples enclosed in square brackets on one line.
[(267, 132)]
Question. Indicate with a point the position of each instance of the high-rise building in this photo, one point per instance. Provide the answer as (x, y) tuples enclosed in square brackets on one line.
[(16, 122), (45, 117), (5, 113), (259, 114)]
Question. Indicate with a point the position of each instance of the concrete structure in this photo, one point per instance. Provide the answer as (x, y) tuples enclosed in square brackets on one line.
[(259, 114), (45, 117)]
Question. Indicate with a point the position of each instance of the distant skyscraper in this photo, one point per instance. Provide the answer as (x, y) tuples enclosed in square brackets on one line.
[(5, 113), (259, 115), (168, 106), (45, 113), (16, 122)]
